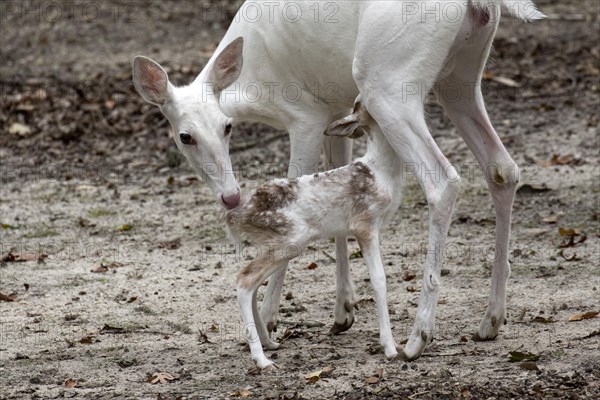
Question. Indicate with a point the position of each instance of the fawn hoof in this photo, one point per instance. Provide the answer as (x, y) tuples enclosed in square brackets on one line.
[(271, 367), (393, 356), (336, 328), (264, 364)]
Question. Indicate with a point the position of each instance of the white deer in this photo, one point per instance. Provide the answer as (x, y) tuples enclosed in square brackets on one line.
[(305, 64)]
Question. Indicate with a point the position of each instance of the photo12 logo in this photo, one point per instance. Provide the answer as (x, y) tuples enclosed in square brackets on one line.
[(272, 11), (23, 12), (275, 92), (92, 173)]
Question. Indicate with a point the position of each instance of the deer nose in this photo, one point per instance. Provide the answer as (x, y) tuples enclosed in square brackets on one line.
[(231, 201)]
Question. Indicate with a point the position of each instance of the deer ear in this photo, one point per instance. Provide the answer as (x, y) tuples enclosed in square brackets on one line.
[(228, 65), (150, 80), (344, 127), (350, 126)]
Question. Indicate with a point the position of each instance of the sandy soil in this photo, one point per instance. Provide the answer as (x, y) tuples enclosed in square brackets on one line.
[(91, 178)]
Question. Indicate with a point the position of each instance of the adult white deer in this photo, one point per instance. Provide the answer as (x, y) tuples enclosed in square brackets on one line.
[(304, 64)]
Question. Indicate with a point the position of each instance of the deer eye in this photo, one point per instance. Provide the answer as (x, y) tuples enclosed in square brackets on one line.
[(228, 129), (187, 139)]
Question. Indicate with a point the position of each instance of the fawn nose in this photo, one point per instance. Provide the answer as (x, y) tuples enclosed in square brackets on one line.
[(231, 201)]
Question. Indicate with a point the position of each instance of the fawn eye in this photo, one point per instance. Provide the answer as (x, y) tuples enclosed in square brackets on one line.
[(187, 139), (228, 129)]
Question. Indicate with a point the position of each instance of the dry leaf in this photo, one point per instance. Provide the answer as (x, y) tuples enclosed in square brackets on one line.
[(573, 257), (312, 265), (170, 244), (19, 257), (19, 129), (529, 365), (583, 315), (241, 393), (408, 276), (85, 223), (203, 337), (105, 265), (100, 269), (550, 219), (70, 383), (572, 237), (557, 159), (89, 339), (112, 264), (543, 320), (162, 377), (319, 374), (10, 297), (567, 231), (373, 379), (517, 356), (107, 329), (124, 228), (528, 188)]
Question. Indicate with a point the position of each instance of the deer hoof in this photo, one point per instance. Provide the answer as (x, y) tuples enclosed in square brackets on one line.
[(336, 328)]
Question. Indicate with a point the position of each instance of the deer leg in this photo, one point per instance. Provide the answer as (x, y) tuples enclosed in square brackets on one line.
[(467, 112), (244, 295), (304, 159), (370, 250), (338, 152), (405, 129), (263, 334), (248, 280)]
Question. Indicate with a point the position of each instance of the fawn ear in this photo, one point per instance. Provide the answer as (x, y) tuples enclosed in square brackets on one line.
[(350, 126), (150, 80), (228, 65)]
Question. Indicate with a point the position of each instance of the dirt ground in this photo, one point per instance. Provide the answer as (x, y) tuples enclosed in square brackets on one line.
[(139, 279)]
